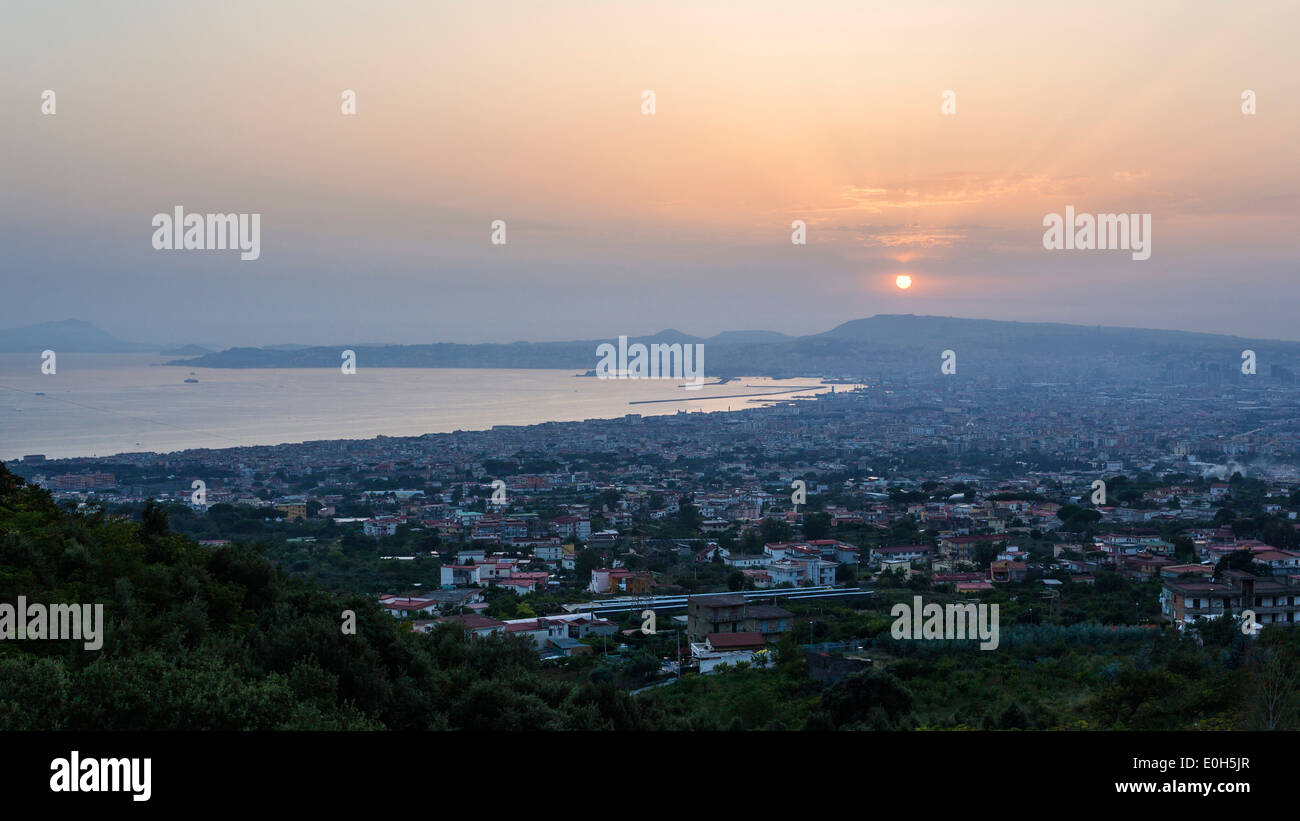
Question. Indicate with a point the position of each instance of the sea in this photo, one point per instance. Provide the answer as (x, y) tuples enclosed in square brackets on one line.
[(104, 404)]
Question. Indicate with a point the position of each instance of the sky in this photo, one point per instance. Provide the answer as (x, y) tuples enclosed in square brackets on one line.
[(377, 227)]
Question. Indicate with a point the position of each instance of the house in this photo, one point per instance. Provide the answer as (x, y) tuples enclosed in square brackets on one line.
[(619, 580), (940, 579), (471, 554), (760, 577), (476, 624), (768, 620), (298, 510), (730, 642), (1279, 562), (435, 601), (727, 648), (565, 646), (496, 568), (1173, 571), (1273, 600), (962, 548), (542, 631), (549, 552), (902, 553), (454, 575), (380, 527), (842, 552), (785, 572), (566, 526), (1002, 570), (586, 626), (723, 613), (534, 581), (706, 554), (733, 613), (1142, 566), (403, 606)]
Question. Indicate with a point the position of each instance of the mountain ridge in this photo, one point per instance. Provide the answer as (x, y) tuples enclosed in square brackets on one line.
[(881, 344)]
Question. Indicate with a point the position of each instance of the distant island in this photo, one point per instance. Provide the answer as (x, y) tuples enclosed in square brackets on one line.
[(886, 346), (68, 335), (878, 346)]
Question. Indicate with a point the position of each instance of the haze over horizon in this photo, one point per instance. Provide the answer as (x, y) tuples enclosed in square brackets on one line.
[(84, 329), (376, 226)]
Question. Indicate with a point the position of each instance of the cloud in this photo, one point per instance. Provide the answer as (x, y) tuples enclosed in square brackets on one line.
[(948, 190)]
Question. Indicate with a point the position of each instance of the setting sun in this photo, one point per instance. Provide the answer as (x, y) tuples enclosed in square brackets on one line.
[(903, 281)]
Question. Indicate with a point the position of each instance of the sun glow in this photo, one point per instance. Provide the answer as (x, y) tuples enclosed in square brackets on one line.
[(903, 281)]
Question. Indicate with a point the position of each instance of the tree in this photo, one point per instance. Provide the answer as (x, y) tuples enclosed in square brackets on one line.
[(790, 662), (852, 699), (154, 520), (1273, 683), (816, 525), (586, 561), (774, 530), (641, 665), (1236, 560), (689, 516), (985, 553)]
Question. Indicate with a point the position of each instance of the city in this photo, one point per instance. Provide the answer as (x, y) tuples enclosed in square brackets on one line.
[(1076, 505)]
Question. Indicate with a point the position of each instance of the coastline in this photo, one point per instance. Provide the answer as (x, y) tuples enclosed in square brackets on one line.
[(100, 413)]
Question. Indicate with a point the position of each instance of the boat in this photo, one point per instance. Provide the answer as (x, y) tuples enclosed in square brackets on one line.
[(191, 378)]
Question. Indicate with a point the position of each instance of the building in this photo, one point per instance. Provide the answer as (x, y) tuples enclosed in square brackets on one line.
[(549, 552), (962, 548), (476, 624), (522, 583), (902, 553), (379, 527), (542, 631), (724, 613), (82, 481), (1002, 570), (728, 648), (619, 580), (1273, 600), (403, 606), (566, 526), (1279, 562), (454, 575), (298, 510), (768, 620)]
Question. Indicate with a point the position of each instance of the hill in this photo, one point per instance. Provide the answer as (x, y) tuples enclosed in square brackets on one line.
[(199, 639), (878, 347), (70, 335)]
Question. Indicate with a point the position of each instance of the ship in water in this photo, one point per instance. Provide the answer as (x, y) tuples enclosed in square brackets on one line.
[(192, 378)]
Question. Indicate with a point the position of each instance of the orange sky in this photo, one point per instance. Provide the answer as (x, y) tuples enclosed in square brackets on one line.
[(766, 112)]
